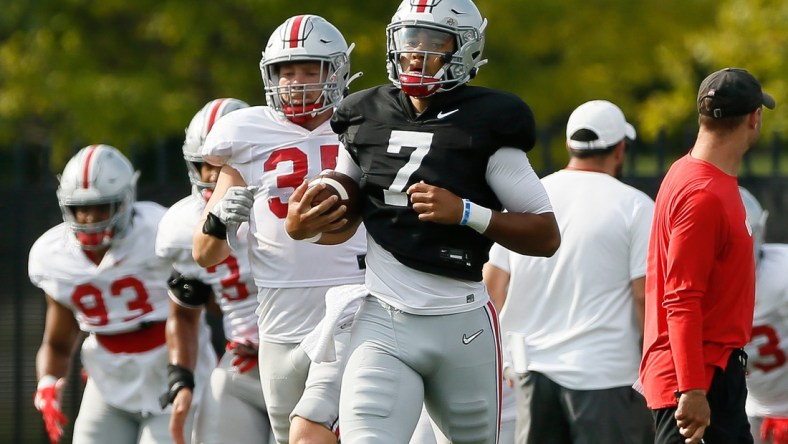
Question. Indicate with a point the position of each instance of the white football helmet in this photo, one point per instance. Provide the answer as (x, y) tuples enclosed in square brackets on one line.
[(756, 217), (459, 19), (306, 38), (198, 130), (98, 175)]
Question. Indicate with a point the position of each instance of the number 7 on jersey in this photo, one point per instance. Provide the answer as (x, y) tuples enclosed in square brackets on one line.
[(395, 194)]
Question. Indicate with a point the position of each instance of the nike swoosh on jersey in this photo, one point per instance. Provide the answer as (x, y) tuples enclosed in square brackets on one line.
[(442, 114), (467, 339)]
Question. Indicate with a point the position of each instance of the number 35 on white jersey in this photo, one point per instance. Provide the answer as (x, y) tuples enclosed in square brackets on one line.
[(277, 156)]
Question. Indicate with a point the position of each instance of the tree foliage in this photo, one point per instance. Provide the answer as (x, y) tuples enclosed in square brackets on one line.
[(750, 34), (74, 72)]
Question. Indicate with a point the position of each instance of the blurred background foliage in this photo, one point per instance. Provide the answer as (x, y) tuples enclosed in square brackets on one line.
[(74, 72)]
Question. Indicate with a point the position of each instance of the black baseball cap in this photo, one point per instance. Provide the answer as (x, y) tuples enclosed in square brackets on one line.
[(731, 92)]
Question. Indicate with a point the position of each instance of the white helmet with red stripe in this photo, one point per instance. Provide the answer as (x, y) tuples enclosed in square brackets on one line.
[(98, 175), (198, 130), (756, 218), (459, 19), (306, 38)]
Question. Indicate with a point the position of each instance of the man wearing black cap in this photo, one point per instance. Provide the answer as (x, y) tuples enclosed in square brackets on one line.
[(700, 278)]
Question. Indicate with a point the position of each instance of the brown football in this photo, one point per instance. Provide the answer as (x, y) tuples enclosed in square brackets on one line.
[(342, 185)]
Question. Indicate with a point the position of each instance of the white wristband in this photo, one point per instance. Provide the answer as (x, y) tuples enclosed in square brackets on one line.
[(46, 381), (314, 239), (475, 216)]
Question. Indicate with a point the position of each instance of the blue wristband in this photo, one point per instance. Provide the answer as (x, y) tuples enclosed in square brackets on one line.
[(466, 211)]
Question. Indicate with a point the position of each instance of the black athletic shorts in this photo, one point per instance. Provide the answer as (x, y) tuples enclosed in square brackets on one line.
[(726, 396)]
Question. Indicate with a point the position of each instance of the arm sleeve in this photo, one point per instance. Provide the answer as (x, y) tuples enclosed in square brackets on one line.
[(499, 257), (346, 165), (692, 250), (515, 182)]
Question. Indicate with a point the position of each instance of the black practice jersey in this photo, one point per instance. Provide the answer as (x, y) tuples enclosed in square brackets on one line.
[(448, 146)]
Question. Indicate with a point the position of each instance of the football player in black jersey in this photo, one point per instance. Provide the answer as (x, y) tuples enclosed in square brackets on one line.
[(438, 162)]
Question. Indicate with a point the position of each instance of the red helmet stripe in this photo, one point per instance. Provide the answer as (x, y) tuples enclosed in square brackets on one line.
[(295, 31), (86, 170), (422, 5), (217, 105)]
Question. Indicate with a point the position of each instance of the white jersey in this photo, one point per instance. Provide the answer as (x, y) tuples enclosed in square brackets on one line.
[(277, 156), (231, 280), (125, 291), (767, 380), (574, 311), (127, 288)]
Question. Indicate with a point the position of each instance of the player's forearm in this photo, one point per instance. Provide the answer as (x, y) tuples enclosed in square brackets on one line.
[(525, 233), (208, 250), (497, 282), (685, 332), (53, 360), (183, 332)]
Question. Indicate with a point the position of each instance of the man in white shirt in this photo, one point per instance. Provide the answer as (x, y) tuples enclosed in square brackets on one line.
[(574, 321)]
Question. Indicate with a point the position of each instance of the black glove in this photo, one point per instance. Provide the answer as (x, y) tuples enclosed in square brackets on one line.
[(179, 378)]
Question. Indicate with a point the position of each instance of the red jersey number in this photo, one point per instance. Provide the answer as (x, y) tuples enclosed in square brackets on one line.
[(770, 356), (232, 287), (328, 160), (90, 301)]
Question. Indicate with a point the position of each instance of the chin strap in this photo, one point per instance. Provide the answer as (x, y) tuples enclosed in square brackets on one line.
[(304, 113), (421, 86), (95, 241)]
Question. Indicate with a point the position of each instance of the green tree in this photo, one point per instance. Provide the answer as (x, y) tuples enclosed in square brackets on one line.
[(74, 72), (749, 34)]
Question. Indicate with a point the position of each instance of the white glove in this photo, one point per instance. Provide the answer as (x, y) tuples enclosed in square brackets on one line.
[(235, 206)]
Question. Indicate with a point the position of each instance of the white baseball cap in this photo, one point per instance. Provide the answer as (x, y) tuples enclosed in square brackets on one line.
[(605, 119)]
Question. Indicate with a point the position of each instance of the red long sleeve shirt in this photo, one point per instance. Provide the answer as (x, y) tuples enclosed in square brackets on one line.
[(700, 281)]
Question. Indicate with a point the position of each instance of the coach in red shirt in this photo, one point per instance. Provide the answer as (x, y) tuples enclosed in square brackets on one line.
[(700, 281)]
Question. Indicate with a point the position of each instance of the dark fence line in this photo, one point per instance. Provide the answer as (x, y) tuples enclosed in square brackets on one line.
[(162, 162), (29, 207)]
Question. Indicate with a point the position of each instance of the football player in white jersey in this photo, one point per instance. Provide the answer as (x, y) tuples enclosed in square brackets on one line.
[(265, 153), (767, 377), (232, 409), (437, 162), (100, 275)]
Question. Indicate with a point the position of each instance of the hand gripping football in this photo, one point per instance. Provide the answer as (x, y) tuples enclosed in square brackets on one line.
[(341, 185)]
